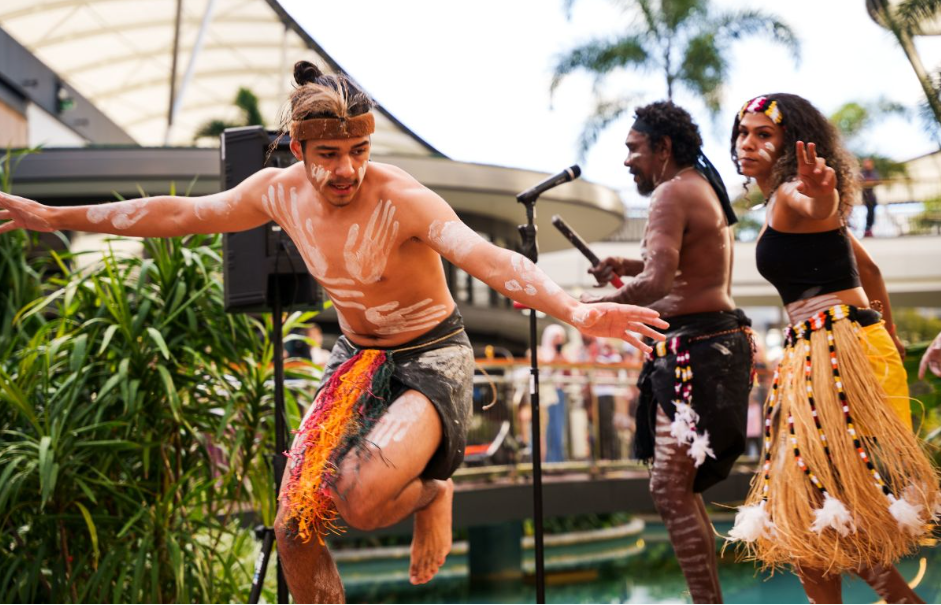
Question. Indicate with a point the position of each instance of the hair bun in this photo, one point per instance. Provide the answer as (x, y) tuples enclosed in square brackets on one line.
[(306, 72)]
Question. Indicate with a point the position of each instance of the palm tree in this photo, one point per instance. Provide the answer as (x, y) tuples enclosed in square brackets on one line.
[(906, 21), (684, 40), (247, 103)]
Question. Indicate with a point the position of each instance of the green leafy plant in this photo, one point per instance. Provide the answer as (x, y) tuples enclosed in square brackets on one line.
[(247, 103), (135, 430)]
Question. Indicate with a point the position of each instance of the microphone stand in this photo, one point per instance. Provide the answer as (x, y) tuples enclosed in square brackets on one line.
[(266, 534), (530, 249)]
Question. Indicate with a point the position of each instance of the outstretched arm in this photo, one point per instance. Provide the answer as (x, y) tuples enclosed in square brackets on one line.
[(871, 278), (237, 209), (518, 278)]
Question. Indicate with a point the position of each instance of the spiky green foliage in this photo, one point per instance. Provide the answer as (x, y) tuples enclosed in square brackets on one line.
[(247, 104), (687, 41), (19, 277), (135, 431)]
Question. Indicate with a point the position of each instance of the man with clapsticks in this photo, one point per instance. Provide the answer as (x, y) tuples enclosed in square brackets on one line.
[(693, 387), (387, 427)]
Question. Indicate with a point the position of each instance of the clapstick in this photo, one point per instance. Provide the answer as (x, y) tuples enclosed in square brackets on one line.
[(582, 247)]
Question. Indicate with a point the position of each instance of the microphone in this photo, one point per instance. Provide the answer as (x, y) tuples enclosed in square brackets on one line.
[(569, 174)]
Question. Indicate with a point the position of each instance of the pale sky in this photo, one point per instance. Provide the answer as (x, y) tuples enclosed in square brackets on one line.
[(472, 78)]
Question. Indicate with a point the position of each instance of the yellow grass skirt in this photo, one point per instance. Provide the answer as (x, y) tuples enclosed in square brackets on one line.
[(845, 484)]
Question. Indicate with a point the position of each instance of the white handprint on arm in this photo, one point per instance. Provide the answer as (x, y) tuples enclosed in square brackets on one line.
[(367, 261)]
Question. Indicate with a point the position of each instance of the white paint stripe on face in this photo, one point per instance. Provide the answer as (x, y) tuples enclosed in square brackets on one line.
[(764, 155), (320, 174), (770, 147), (361, 172)]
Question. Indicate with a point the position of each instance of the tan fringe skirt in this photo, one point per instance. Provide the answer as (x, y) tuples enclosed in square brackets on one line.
[(844, 483)]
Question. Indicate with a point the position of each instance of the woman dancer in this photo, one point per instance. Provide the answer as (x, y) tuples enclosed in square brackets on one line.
[(845, 485)]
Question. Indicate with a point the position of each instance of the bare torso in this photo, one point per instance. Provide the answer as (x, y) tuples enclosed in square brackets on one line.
[(702, 282), (388, 287)]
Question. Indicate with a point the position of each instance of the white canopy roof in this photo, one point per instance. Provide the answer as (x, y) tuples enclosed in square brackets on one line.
[(119, 54)]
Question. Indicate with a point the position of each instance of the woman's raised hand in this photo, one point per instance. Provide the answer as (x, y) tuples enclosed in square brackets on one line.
[(815, 178)]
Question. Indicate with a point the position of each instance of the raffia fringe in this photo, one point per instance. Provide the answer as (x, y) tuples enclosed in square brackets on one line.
[(793, 501), (347, 408)]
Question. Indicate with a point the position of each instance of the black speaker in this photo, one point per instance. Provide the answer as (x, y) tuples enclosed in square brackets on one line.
[(261, 263)]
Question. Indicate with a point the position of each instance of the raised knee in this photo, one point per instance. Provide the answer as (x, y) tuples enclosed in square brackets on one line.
[(359, 513), (285, 534)]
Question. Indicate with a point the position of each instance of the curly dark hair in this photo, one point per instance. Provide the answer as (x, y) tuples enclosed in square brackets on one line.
[(804, 122), (668, 120)]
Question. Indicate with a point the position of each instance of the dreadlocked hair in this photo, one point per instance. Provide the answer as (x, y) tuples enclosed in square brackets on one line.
[(668, 120), (804, 122)]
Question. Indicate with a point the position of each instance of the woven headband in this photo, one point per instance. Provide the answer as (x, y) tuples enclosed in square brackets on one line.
[(762, 105), (333, 128)]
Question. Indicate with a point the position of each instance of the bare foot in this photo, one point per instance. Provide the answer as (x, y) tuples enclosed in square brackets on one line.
[(431, 540)]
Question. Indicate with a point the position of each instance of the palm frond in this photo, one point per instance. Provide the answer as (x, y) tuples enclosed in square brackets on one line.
[(674, 13), (606, 113), (212, 129), (914, 12), (652, 19), (247, 102), (736, 25), (703, 70), (601, 57)]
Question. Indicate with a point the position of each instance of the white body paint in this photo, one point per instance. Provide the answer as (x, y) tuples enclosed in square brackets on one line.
[(453, 238), (513, 286), (580, 316), (122, 216), (361, 173), (205, 208), (320, 174), (802, 310), (527, 271), (448, 362), (287, 214), (395, 425), (389, 319), (764, 155), (367, 260)]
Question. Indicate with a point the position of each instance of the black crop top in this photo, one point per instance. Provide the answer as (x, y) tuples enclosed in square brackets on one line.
[(804, 265)]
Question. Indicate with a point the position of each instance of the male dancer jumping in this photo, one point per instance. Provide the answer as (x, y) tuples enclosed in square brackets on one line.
[(694, 387), (387, 428)]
